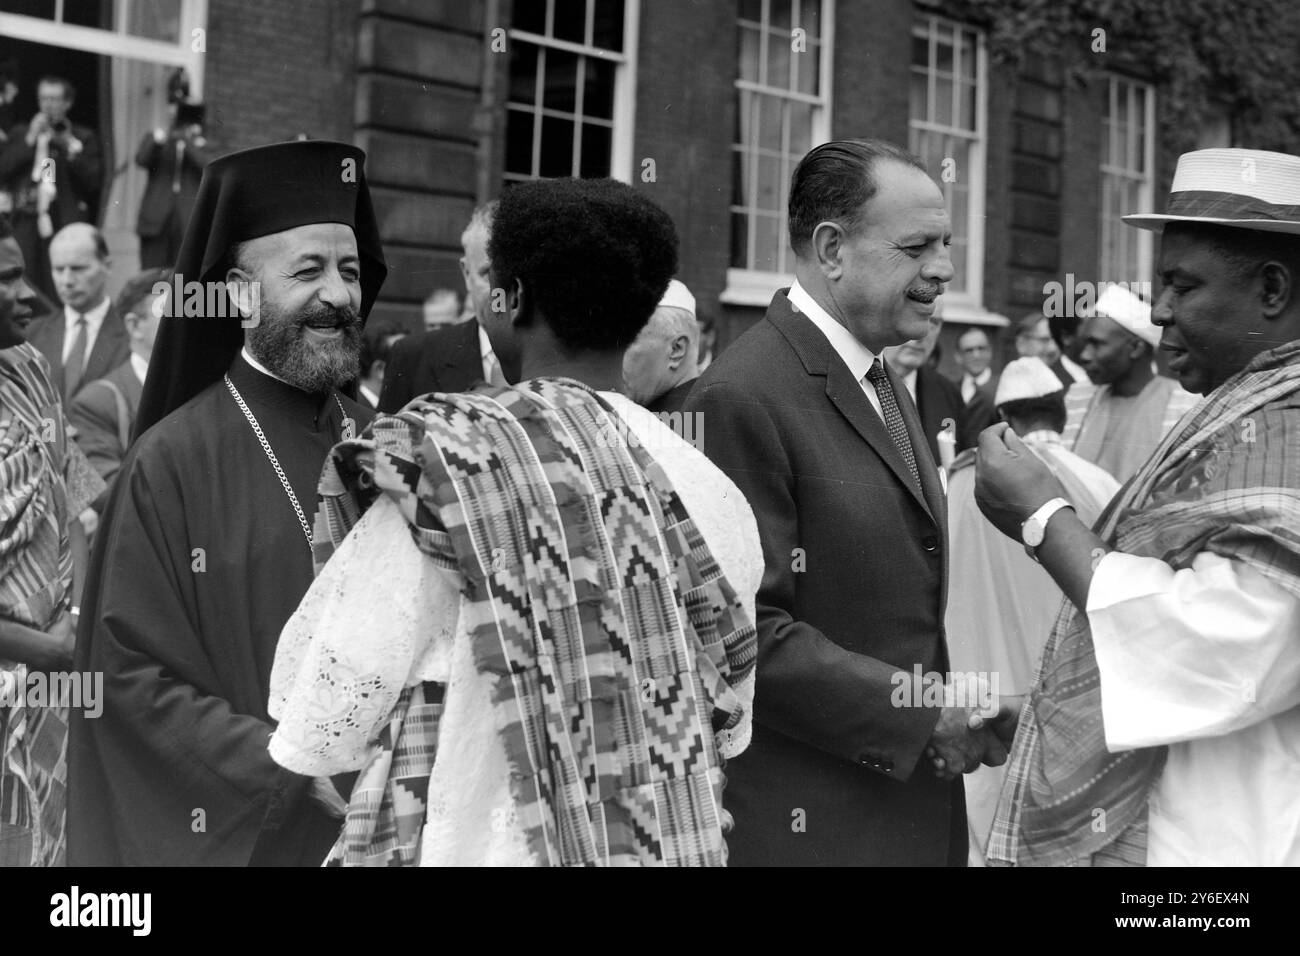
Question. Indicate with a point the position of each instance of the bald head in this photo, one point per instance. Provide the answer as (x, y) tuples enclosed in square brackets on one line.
[(79, 263), (663, 355)]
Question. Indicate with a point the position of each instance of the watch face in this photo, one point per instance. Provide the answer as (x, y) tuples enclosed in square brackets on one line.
[(1032, 532)]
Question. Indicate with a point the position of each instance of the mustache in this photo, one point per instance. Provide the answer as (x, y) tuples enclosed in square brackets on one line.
[(347, 316)]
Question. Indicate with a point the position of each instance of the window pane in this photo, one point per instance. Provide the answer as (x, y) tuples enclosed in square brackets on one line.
[(770, 187), (597, 142), (523, 72), (943, 101), (529, 15), (101, 14), (740, 166), (968, 57), (151, 19), (943, 54), (560, 85), (739, 240), (916, 97), (767, 240), (570, 21), (598, 88), (557, 147), (921, 51), (751, 10), (519, 142), (966, 102), (780, 11), (769, 128), (608, 32), (810, 18), (749, 50), (778, 61), (801, 119), (808, 66)]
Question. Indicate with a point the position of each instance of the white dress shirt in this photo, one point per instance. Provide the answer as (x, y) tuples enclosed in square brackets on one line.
[(94, 321), (856, 356), (910, 381), (491, 367), (369, 396), (1205, 660), (140, 366), (971, 383)]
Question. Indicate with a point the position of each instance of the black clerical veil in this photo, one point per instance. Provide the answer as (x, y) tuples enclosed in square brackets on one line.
[(244, 195)]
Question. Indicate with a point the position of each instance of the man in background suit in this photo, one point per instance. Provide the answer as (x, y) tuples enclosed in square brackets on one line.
[(51, 168), (103, 411), (848, 764), (451, 358), (975, 356), (86, 339), (951, 425), (175, 159)]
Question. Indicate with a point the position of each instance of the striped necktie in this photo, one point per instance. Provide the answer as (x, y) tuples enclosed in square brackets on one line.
[(893, 417), (75, 366)]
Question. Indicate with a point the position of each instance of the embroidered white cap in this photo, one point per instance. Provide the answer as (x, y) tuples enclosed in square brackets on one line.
[(1026, 378), (1118, 303), (678, 297)]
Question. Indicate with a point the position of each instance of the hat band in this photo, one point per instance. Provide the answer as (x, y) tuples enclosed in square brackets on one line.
[(1215, 205)]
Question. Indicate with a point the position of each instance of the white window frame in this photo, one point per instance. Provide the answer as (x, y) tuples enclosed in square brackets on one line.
[(116, 42), (755, 287), (1123, 168), (966, 305), (623, 123)]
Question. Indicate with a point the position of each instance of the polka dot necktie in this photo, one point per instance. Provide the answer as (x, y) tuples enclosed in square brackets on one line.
[(893, 417)]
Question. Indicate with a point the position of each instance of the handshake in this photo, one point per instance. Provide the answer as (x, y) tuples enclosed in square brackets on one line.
[(967, 737)]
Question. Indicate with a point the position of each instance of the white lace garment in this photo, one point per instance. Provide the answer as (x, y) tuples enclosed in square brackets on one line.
[(382, 617)]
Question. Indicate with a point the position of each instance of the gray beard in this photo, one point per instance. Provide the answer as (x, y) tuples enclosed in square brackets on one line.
[(281, 346)]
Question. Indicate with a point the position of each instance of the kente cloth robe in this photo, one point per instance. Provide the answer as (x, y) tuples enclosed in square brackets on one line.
[(198, 564)]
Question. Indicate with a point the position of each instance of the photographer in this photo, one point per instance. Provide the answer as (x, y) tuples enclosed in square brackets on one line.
[(175, 159), (51, 168)]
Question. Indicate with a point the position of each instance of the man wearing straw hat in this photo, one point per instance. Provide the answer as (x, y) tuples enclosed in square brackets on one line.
[(1162, 726), (1117, 418)]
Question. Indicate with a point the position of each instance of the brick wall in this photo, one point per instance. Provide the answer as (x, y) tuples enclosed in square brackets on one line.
[(685, 118), (275, 70)]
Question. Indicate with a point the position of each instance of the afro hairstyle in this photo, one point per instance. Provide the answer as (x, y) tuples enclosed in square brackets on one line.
[(594, 257)]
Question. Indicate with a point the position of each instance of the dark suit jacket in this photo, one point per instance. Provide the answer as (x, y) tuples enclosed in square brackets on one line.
[(110, 350), (159, 200), (852, 600), (439, 360), (77, 180), (95, 415)]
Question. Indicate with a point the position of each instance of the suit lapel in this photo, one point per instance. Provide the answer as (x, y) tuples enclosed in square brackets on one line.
[(845, 393)]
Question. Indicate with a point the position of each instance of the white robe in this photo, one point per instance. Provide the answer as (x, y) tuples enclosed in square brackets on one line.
[(1001, 603), (381, 617)]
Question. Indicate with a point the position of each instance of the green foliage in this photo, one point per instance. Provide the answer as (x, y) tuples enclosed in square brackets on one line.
[(1241, 54)]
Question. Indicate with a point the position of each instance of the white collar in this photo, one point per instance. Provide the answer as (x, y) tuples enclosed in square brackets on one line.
[(139, 365), (856, 356), (248, 357), (93, 318), (979, 379), (484, 343), (371, 397)]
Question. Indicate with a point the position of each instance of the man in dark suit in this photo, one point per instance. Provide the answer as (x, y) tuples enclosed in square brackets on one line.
[(103, 412), (52, 169), (175, 159), (938, 401), (450, 358), (855, 758), (85, 339), (975, 356)]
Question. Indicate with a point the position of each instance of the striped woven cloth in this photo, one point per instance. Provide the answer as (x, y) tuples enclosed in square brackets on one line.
[(611, 632), (38, 466), (1226, 480)]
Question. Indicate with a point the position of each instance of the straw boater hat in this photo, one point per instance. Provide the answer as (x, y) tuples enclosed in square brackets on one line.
[(1122, 306), (1242, 188)]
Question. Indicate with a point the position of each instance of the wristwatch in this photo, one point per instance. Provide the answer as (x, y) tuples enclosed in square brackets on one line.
[(1034, 528)]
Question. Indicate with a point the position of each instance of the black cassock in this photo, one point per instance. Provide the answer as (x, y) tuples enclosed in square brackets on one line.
[(198, 565)]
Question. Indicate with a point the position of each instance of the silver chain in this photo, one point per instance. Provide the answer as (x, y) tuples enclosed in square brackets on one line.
[(275, 462)]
